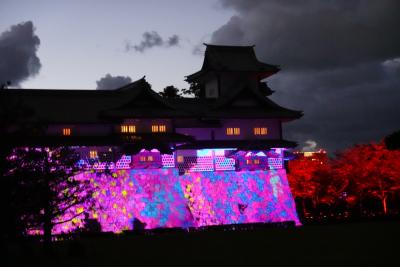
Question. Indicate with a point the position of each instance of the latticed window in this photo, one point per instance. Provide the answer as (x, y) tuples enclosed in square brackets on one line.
[(128, 129), (260, 131), (159, 128), (66, 131), (232, 131)]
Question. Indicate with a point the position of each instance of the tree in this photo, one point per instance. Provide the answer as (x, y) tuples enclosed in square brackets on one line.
[(170, 92), (46, 188), (14, 120), (311, 179), (372, 171), (195, 89), (5, 85), (392, 141), (302, 182)]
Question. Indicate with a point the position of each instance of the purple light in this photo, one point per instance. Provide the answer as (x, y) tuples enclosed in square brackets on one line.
[(163, 198)]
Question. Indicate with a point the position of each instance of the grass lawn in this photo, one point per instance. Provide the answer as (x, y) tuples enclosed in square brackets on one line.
[(351, 244)]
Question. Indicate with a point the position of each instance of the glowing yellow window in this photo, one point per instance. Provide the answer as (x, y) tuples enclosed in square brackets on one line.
[(159, 128), (179, 159), (128, 129), (142, 158), (132, 128), (256, 161), (150, 158), (93, 154), (260, 131), (66, 131), (232, 131)]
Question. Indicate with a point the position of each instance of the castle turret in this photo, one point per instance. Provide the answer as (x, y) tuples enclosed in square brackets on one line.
[(228, 67)]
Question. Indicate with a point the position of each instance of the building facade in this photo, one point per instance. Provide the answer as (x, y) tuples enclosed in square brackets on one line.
[(173, 162)]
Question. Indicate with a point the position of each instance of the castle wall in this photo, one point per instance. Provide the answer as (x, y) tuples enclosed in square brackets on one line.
[(163, 198)]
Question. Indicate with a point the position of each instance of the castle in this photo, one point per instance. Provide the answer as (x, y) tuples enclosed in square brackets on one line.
[(214, 159)]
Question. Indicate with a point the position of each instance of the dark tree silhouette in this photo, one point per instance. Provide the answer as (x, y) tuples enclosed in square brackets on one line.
[(170, 92), (392, 141), (47, 190), (195, 89), (5, 85), (14, 120)]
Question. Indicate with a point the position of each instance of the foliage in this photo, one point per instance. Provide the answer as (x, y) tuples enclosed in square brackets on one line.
[(371, 170), (392, 141), (195, 89), (45, 188), (170, 92), (360, 173)]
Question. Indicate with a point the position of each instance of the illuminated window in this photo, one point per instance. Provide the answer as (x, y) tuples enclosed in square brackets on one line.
[(232, 131), (142, 158), (179, 159), (248, 161), (128, 129), (256, 161), (308, 154), (132, 128), (159, 128), (93, 154), (66, 131), (260, 131), (150, 158)]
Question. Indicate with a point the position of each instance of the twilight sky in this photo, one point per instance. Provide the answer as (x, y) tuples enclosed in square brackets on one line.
[(340, 59)]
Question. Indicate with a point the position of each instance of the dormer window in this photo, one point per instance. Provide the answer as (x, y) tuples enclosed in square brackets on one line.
[(232, 131), (159, 128), (66, 131), (128, 129), (260, 131)]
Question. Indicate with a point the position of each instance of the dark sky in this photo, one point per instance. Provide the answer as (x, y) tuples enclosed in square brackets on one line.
[(340, 63)]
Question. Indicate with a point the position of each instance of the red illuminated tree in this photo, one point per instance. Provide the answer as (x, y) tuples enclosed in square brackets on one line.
[(371, 170), (312, 179)]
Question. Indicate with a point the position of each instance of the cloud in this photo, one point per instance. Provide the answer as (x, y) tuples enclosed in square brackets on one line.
[(173, 40), (340, 64), (18, 53), (109, 82), (152, 39), (310, 146), (312, 34)]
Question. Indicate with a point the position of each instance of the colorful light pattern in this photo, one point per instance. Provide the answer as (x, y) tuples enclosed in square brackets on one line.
[(163, 198)]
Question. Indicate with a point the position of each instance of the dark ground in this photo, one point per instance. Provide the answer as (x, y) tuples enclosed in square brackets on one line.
[(347, 244)]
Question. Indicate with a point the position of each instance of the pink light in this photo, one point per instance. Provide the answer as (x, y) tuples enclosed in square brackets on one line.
[(163, 198)]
